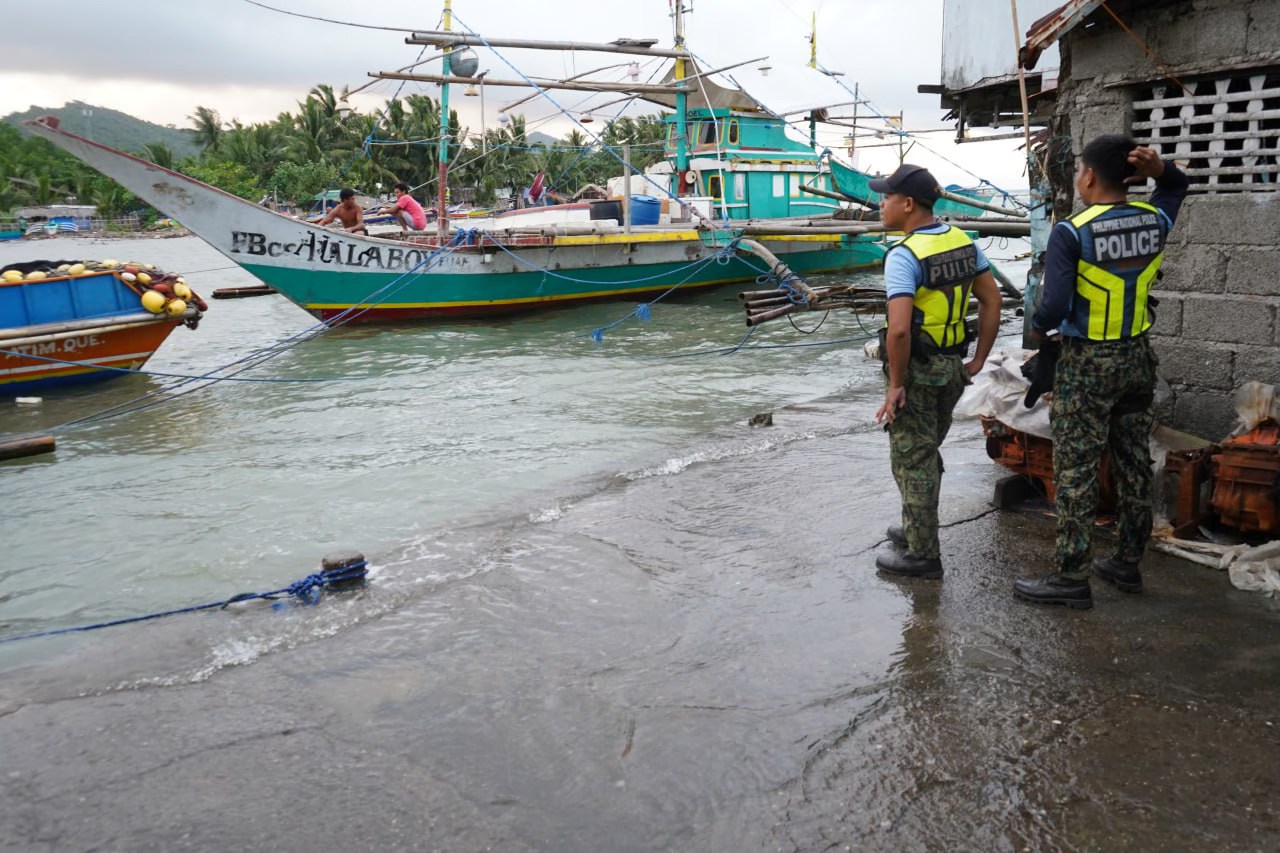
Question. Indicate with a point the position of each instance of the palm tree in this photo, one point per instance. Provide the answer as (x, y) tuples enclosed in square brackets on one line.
[(208, 128), (158, 153), (322, 93), (314, 131)]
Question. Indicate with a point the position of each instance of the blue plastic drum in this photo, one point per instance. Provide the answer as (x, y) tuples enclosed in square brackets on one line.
[(645, 210)]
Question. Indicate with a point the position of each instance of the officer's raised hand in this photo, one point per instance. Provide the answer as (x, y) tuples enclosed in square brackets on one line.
[(1147, 164)]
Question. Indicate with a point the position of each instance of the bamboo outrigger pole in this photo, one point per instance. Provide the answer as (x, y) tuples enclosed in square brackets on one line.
[(446, 79), (451, 39)]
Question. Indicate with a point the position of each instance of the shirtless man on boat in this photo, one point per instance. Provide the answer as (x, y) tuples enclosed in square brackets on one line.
[(348, 212)]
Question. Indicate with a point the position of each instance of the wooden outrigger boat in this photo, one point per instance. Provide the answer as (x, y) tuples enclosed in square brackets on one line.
[(731, 171), (329, 273), (70, 322)]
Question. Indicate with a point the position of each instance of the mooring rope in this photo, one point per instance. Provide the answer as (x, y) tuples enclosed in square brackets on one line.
[(306, 590)]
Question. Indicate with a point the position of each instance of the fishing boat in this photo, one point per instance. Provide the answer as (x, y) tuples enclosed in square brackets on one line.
[(730, 171), (516, 266), (68, 322)]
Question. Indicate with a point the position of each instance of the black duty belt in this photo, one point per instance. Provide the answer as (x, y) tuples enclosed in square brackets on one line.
[(1070, 340)]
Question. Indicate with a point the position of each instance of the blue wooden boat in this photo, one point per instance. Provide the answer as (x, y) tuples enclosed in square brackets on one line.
[(67, 322)]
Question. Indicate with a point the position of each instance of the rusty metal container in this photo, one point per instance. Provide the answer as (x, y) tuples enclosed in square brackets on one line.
[(1032, 457), (1246, 480)]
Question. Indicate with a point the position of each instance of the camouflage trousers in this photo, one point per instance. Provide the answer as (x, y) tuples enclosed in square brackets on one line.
[(933, 389), (1102, 400)]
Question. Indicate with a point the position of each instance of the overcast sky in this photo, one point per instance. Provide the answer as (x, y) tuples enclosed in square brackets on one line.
[(159, 59)]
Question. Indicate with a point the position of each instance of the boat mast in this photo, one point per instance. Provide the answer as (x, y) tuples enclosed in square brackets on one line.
[(442, 215), (682, 100)]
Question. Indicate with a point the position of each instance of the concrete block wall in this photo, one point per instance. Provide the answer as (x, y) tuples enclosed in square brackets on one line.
[(1218, 322)]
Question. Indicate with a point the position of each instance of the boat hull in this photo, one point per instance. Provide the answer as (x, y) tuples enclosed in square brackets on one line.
[(118, 343), (489, 281), (330, 273), (93, 318)]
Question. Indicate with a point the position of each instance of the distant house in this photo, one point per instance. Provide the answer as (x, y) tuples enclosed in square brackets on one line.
[(327, 200), (58, 212), (58, 217), (1200, 81)]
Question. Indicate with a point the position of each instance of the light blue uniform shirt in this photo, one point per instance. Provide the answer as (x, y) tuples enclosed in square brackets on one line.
[(902, 271)]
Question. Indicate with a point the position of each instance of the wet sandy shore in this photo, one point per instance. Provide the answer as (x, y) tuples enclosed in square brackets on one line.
[(637, 681)]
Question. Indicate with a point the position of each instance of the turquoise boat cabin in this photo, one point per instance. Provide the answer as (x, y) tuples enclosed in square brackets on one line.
[(748, 166)]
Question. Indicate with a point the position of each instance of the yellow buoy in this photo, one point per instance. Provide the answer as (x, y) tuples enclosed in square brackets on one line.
[(36, 275), (143, 278), (153, 302), (63, 267), (109, 263), (11, 275), (181, 291), (75, 269), (176, 307)]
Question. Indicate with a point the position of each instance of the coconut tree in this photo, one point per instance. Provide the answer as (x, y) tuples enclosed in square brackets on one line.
[(208, 125), (158, 153)]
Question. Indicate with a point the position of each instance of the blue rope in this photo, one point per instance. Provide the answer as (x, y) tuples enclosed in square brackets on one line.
[(306, 590), (15, 353), (543, 92), (260, 356), (531, 265), (364, 149), (641, 312), (891, 128)]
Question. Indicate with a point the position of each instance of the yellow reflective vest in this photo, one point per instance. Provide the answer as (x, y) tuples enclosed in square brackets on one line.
[(948, 266), (1121, 248)]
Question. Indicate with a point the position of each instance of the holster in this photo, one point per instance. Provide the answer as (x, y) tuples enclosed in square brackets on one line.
[(922, 348)]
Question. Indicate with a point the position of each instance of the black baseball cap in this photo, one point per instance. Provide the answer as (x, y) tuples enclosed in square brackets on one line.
[(914, 181)]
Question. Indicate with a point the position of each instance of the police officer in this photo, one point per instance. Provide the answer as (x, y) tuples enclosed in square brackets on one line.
[(929, 277), (1099, 270)]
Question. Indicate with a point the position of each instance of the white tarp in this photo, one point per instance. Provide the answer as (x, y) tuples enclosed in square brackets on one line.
[(1250, 568), (998, 391)]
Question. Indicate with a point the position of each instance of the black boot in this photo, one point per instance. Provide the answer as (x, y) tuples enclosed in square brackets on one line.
[(896, 535), (909, 565), (1124, 575), (1055, 589)]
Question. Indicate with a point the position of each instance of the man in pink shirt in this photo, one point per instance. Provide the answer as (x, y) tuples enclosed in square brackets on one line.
[(407, 211)]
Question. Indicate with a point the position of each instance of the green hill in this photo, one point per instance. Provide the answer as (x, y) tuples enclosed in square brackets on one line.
[(112, 127)]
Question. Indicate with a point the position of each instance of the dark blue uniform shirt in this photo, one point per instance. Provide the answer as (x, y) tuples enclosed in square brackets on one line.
[(1053, 303)]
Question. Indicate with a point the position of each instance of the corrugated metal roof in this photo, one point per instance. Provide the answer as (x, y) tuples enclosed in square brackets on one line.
[(1052, 27)]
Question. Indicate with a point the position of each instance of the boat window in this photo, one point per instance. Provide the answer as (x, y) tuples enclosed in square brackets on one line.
[(710, 129), (779, 186), (740, 187), (715, 187), (732, 133)]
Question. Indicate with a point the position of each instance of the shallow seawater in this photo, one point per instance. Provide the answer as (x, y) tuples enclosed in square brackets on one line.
[(429, 447), (604, 612)]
